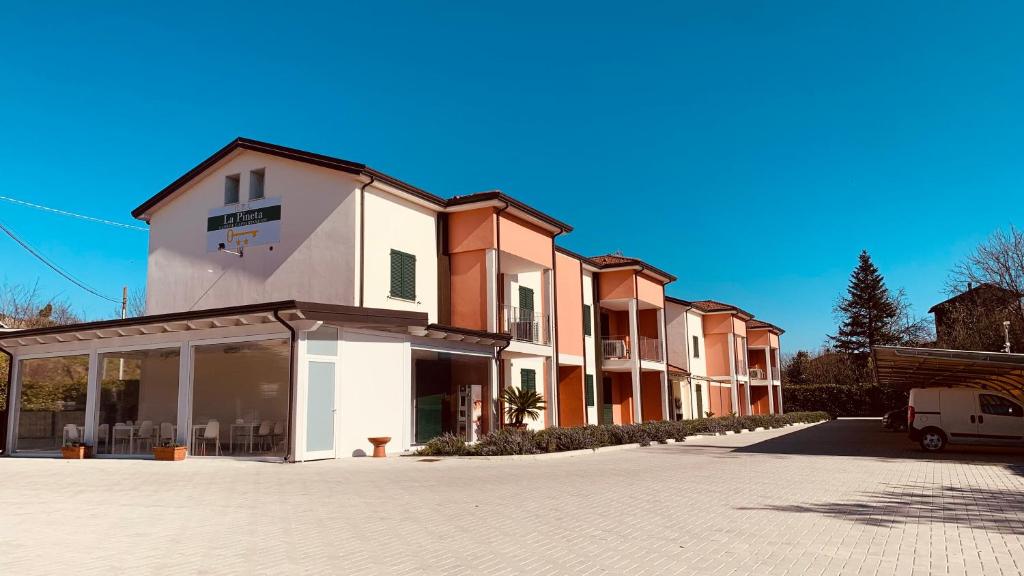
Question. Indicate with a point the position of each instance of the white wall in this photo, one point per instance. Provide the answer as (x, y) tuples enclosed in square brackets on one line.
[(315, 260), (695, 327), (589, 343), (675, 324), (375, 395), (394, 223), (512, 378), (533, 280)]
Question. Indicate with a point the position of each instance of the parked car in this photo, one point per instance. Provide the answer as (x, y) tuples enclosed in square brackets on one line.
[(940, 416), (895, 420)]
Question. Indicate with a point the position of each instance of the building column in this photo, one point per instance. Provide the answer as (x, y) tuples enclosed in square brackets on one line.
[(664, 395), (92, 399), (492, 399), (13, 407), (634, 356), (771, 383), (184, 392), (549, 306), (491, 259), (732, 374)]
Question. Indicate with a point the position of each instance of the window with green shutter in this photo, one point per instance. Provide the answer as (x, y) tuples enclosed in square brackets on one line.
[(528, 379), (526, 300), (587, 328), (403, 275), (589, 389)]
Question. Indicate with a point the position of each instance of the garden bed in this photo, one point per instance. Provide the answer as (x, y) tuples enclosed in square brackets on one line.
[(509, 442)]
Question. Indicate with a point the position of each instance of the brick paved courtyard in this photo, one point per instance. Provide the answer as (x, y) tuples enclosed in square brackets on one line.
[(836, 498)]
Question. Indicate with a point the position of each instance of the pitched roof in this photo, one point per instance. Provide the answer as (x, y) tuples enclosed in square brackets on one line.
[(974, 292), (678, 301), (340, 165), (753, 324), (711, 306), (616, 260)]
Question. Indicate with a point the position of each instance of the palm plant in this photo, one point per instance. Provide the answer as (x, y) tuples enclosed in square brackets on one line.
[(520, 404)]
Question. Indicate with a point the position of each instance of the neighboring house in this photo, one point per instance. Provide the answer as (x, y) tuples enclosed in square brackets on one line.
[(973, 319), (299, 304)]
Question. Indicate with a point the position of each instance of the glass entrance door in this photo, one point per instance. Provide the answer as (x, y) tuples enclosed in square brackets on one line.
[(320, 411)]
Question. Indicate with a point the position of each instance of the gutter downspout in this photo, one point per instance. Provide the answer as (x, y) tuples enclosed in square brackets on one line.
[(292, 384), (362, 236), (5, 417)]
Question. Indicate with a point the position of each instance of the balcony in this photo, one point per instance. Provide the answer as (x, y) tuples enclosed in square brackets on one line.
[(650, 349), (525, 325), (615, 348)]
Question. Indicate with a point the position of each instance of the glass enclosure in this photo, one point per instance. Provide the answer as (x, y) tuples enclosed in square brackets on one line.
[(448, 394), (240, 399), (138, 404), (52, 402)]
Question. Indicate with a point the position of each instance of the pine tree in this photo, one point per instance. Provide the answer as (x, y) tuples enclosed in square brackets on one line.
[(869, 313)]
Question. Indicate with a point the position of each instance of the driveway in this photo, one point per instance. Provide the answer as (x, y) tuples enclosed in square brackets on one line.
[(836, 498)]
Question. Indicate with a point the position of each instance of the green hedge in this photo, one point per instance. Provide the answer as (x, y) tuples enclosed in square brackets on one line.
[(844, 400), (508, 441)]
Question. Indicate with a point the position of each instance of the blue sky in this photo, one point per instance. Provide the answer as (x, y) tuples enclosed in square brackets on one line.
[(816, 129)]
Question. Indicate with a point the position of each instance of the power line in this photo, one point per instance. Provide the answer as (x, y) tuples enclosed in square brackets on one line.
[(72, 214), (54, 267)]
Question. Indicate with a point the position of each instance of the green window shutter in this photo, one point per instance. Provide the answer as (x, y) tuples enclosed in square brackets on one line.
[(526, 299), (587, 328), (589, 389), (528, 379), (403, 275)]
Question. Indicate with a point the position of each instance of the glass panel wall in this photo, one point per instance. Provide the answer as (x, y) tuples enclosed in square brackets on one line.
[(448, 395), (240, 399), (138, 404), (52, 402)]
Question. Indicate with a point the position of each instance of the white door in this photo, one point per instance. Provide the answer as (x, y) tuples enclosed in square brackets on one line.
[(958, 409), (999, 419), (320, 410)]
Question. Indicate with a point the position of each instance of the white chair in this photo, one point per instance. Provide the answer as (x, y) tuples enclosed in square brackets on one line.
[(210, 433), (278, 433), (103, 436), (166, 432), (120, 432), (146, 435), (70, 434), (265, 434)]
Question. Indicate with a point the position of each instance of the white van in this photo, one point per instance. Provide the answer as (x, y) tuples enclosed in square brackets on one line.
[(937, 416)]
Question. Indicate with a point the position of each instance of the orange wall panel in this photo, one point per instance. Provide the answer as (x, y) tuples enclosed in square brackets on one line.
[(650, 396), (525, 240), (717, 323), (716, 347), (616, 285), (759, 399), (774, 339), (758, 338), (571, 397), (739, 326), (472, 230), (469, 289), (741, 398), (719, 400), (569, 291), (647, 323), (650, 291)]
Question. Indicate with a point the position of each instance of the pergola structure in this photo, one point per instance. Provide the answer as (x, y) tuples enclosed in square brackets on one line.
[(908, 368)]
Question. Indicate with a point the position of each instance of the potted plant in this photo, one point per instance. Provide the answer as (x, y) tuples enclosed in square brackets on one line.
[(521, 404), (75, 450), (169, 451)]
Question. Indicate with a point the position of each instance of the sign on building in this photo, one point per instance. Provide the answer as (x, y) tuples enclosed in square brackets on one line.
[(255, 223)]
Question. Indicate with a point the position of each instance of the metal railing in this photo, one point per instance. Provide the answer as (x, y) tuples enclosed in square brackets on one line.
[(614, 348), (650, 349), (525, 325)]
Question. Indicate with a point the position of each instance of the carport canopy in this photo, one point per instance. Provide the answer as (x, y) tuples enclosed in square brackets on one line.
[(908, 368)]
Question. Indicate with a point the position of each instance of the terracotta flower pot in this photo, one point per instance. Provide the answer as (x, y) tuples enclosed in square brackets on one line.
[(378, 445), (169, 453), (73, 452)]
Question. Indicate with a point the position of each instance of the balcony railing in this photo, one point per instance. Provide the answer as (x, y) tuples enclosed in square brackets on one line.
[(615, 348), (650, 349), (525, 325)]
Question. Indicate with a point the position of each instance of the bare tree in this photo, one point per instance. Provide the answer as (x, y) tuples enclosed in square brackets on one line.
[(999, 260)]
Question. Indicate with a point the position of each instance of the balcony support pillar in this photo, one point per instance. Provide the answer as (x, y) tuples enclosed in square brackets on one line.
[(634, 356), (491, 258), (771, 383), (551, 393)]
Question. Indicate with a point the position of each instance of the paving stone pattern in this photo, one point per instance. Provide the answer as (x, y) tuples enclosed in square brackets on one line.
[(835, 498)]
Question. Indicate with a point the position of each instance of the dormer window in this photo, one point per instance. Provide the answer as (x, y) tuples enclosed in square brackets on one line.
[(232, 184), (256, 178)]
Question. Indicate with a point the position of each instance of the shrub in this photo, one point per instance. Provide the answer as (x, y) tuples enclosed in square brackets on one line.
[(507, 442), (510, 441), (447, 444), (844, 400)]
